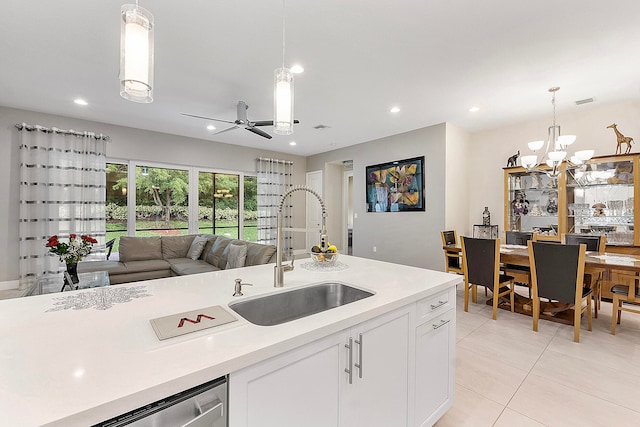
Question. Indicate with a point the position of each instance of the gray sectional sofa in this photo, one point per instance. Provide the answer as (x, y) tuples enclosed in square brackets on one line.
[(144, 258)]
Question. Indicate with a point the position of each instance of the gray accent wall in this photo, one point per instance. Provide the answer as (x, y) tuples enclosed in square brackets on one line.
[(126, 144), (408, 238)]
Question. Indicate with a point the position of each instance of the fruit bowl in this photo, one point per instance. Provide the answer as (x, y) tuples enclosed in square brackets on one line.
[(324, 259)]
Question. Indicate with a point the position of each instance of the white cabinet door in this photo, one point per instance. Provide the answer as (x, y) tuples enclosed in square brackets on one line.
[(298, 388), (434, 368), (378, 394)]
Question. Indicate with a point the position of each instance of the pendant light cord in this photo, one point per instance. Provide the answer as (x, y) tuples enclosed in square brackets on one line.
[(283, 31)]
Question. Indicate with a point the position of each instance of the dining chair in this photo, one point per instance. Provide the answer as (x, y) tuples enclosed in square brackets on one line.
[(521, 273), (629, 293), (557, 273), (451, 258), (595, 243), (481, 267), (109, 247)]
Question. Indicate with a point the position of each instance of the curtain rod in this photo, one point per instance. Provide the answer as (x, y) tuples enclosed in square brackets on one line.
[(31, 128), (265, 159)]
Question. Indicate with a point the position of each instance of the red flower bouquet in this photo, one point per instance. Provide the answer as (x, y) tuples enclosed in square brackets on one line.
[(71, 252)]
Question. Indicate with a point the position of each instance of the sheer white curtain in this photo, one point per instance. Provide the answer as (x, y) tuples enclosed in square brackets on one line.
[(275, 177), (62, 191)]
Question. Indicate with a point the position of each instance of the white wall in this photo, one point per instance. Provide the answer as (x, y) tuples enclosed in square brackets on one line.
[(126, 143), (457, 180), (489, 150), (409, 238)]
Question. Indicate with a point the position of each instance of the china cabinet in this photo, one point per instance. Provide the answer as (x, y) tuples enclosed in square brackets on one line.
[(602, 199), (534, 201)]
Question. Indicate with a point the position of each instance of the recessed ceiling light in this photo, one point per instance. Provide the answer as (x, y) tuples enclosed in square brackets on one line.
[(211, 127), (80, 101), (296, 69), (292, 143), (474, 109), (395, 109)]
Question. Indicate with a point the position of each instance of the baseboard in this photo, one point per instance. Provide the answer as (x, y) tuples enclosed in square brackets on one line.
[(8, 285)]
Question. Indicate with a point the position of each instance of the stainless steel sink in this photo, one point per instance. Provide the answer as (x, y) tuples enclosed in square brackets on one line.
[(283, 307)]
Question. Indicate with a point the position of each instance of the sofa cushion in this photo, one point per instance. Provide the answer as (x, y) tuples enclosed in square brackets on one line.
[(140, 248), (176, 246), (258, 254), (216, 255), (192, 267), (142, 266), (207, 247), (236, 256), (197, 246)]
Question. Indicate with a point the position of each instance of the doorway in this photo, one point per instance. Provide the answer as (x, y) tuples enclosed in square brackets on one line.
[(347, 204)]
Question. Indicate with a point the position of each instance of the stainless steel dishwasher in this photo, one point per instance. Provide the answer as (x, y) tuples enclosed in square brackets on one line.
[(201, 406)]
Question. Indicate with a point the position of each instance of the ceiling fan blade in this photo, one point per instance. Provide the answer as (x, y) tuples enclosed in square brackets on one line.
[(263, 123), (258, 132), (269, 123), (226, 130), (206, 118)]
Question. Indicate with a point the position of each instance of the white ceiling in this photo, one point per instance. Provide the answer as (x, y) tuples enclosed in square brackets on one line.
[(433, 58)]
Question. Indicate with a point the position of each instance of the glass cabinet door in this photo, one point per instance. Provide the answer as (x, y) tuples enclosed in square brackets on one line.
[(531, 202), (601, 199)]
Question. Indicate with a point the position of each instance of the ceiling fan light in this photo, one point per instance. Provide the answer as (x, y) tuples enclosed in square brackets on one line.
[(136, 54), (283, 102)]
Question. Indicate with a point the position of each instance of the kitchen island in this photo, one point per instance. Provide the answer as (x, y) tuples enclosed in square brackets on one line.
[(75, 358)]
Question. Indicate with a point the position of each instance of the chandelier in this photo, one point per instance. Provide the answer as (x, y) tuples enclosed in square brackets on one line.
[(558, 144)]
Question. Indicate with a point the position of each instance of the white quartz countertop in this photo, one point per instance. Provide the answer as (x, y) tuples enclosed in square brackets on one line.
[(80, 366)]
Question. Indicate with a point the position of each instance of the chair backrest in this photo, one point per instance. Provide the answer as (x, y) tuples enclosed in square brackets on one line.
[(518, 237), (557, 271), (594, 243), (449, 238), (481, 260)]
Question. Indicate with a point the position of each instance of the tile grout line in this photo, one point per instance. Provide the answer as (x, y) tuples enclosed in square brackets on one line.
[(524, 379)]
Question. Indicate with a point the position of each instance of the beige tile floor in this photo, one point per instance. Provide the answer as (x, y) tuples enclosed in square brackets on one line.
[(507, 375)]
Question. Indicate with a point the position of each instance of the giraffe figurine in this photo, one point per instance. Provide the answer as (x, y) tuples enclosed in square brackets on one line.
[(621, 140)]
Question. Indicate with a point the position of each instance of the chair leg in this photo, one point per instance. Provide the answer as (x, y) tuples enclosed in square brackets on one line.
[(619, 310), (466, 296), (590, 318), (512, 295), (474, 294), (536, 312), (577, 311), (614, 314), (496, 299)]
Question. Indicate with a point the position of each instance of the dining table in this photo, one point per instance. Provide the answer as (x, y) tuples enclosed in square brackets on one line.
[(595, 262)]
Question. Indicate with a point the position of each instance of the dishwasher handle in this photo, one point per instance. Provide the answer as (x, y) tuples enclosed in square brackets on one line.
[(209, 417)]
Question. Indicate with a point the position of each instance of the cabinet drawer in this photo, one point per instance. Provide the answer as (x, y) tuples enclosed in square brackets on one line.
[(443, 301)]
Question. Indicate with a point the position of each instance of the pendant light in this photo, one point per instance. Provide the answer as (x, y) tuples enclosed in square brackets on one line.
[(136, 53), (283, 93)]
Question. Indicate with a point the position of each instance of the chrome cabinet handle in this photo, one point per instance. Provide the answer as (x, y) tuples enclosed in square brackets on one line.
[(441, 324), (440, 304), (359, 364), (350, 369)]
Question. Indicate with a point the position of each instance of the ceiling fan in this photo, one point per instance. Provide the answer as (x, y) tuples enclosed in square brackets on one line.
[(241, 121)]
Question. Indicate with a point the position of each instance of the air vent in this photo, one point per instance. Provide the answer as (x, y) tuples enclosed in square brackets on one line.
[(321, 126), (585, 101)]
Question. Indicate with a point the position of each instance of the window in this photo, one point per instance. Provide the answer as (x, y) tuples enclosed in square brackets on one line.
[(227, 202), (162, 201), (250, 225), (116, 207)]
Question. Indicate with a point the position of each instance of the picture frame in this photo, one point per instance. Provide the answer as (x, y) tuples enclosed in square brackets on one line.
[(396, 186)]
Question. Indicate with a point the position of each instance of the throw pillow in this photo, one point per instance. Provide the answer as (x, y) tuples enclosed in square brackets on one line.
[(197, 246), (237, 256)]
